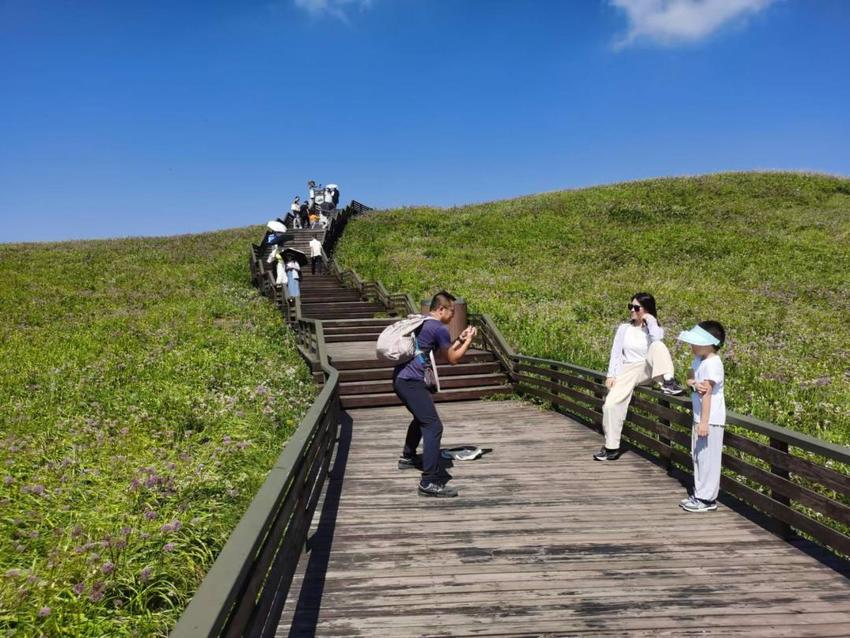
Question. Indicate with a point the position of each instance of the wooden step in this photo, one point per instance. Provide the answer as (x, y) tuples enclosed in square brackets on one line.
[(354, 330), (376, 374), (336, 294), (330, 315), (342, 305), (389, 398), (471, 356), (350, 388), (343, 338), (339, 323)]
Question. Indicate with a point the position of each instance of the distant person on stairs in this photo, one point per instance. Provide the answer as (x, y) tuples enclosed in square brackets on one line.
[(317, 256), (409, 385), (293, 279), (637, 356), (293, 218)]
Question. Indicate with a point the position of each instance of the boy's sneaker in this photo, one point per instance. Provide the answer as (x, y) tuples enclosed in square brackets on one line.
[(607, 455), (671, 386), (699, 506), (438, 490), (408, 463)]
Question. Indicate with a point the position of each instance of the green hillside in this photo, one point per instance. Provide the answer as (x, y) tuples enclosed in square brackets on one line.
[(145, 390), (766, 254)]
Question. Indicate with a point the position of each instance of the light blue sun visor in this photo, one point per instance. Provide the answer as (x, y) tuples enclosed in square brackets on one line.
[(698, 337)]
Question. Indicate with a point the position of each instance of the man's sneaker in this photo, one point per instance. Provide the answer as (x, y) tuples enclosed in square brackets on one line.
[(671, 386), (407, 463), (685, 501), (607, 455), (438, 490), (697, 505)]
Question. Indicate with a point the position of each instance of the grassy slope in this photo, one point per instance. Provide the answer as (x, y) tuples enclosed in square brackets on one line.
[(135, 376), (766, 254)]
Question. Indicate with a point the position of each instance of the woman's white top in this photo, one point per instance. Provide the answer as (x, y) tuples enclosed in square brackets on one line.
[(294, 265), (651, 332), (635, 344)]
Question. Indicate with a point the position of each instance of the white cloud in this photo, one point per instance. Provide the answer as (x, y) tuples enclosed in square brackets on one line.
[(335, 8), (677, 21)]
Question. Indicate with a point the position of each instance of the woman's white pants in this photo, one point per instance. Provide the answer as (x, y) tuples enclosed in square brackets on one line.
[(657, 365)]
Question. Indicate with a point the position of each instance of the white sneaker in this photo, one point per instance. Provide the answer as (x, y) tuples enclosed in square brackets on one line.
[(698, 506), (687, 500)]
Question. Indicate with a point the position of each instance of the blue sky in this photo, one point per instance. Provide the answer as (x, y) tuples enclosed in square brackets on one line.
[(156, 118)]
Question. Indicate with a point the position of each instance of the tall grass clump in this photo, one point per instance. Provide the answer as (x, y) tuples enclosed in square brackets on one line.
[(765, 254), (145, 391)]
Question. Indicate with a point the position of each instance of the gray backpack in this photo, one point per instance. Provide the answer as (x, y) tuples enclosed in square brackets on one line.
[(397, 343)]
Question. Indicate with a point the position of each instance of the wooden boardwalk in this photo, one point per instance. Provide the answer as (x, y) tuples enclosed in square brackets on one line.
[(542, 541)]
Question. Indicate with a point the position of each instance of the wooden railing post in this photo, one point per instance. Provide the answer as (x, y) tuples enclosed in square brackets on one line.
[(665, 440), (783, 529)]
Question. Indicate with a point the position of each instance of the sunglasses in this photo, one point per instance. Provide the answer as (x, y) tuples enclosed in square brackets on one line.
[(633, 307)]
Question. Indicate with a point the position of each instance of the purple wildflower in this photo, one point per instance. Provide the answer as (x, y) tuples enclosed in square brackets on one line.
[(119, 544), (108, 567), (135, 484), (226, 440), (11, 573), (79, 588), (33, 534), (96, 594), (79, 549), (8, 480), (145, 574), (118, 603), (168, 547), (37, 489), (44, 612), (126, 531), (150, 515), (76, 531)]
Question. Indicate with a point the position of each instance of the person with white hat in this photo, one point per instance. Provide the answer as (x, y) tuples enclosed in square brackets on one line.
[(706, 379)]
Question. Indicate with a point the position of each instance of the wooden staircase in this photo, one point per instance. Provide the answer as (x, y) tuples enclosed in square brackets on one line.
[(351, 329)]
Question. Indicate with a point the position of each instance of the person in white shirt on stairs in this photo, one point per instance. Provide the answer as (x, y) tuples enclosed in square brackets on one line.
[(317, 256)]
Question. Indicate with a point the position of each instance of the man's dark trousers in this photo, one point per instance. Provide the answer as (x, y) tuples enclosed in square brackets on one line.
[(425, 426)]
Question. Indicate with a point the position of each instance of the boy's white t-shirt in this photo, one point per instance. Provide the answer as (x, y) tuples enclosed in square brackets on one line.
[(710, 369)]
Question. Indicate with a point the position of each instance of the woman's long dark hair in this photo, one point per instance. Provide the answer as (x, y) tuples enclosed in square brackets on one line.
[(647, 301)]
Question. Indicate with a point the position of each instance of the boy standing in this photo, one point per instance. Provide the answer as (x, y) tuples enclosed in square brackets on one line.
[(709, 405)]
